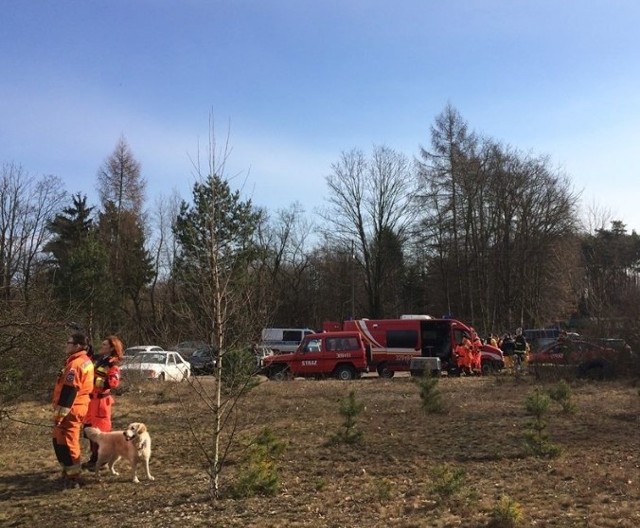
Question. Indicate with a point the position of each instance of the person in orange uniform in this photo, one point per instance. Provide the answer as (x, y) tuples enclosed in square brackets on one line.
[(106, 378), (476, 354), (70, 405), (463, 355)]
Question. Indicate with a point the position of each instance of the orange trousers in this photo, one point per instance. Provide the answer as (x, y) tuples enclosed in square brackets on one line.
[(66, 444)]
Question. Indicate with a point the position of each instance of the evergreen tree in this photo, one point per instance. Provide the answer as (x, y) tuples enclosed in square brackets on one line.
[(121, 227), (79, 263), (612, 263), (217, 245), (130, 264)]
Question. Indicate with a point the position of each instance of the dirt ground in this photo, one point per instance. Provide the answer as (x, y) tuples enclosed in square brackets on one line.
[(386, 481)]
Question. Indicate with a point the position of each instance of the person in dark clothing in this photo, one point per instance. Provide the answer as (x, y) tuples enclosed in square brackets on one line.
[(520, 349)]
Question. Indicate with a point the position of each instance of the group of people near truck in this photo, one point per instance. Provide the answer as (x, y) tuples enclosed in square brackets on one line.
[(514, 348), (467, 353)]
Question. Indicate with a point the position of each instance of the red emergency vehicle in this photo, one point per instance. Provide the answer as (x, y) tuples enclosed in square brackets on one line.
[(338, 354), (393, 342)]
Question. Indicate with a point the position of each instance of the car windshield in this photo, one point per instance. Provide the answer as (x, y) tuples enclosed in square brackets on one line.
[(149, 358), (203, 352)]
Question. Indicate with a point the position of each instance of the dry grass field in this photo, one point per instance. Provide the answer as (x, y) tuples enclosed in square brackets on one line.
[(390, 479)]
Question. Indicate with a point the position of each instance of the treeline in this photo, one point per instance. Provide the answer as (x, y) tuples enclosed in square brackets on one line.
[(468, 227)]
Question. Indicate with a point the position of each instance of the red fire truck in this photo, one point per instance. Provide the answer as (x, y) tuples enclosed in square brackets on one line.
[(394, 343)]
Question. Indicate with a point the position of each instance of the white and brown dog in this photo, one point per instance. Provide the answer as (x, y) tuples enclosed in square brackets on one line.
[(133, 444)]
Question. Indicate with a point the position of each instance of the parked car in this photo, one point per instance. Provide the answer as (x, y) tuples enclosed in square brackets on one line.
[(186, 348), (130, 352), (203, 361), (159, 364), (284, 339), (589, 359)]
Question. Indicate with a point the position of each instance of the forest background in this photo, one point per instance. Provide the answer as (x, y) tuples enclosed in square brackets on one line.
[(467, 227)]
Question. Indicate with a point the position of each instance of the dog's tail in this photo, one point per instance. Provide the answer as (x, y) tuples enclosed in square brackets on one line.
[(91, 433)]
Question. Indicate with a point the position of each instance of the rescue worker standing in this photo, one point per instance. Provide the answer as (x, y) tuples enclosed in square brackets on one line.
[(520, 349), (106, 378), (463, 353), (507, 345), (70, 404), (476, 353)]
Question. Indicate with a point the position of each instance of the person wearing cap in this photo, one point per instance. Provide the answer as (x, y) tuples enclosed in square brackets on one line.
[(70, 405)]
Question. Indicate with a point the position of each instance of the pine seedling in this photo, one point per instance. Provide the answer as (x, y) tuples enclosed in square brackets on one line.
[(350, 409), (430, 395), (507, 513), (258, 474), (561, 394), (446, 481), (537, 440)]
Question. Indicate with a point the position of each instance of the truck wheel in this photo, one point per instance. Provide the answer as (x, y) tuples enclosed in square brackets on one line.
[(344, 373), (596, 369), (488, 368), (385, 372), (280, 373)]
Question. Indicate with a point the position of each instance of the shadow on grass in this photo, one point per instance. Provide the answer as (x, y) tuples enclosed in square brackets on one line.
[(30, 484), (489, 457)]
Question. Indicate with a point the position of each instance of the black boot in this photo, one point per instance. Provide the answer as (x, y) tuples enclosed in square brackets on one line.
[(91, 463)]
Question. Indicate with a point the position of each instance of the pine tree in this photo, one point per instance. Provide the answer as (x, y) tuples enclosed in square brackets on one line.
[(121, 226), (79, 262), (216, 243)]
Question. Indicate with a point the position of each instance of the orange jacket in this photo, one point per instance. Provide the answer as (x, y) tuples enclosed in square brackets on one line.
[(462, 355), (74, 384), (106, 375)]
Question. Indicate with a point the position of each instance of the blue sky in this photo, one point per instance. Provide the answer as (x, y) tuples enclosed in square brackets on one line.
[(297, 82)]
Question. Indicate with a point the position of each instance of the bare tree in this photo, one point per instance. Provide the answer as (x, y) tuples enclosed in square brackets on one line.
[(164, 248), (120, 181), (445, 173), (27, 205), (499, 226), (286, 263), (370, 201)]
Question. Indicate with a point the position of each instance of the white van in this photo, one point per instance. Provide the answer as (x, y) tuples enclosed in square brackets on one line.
[(284, 339)]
